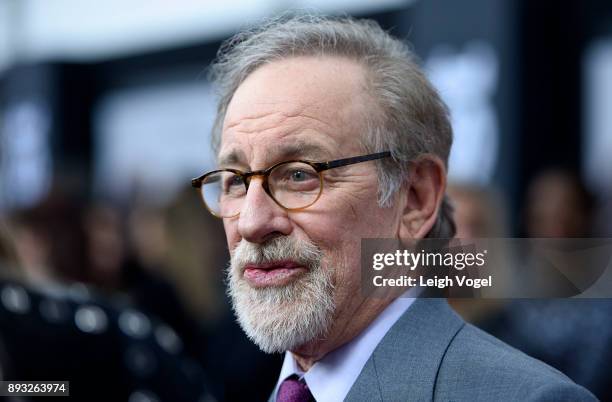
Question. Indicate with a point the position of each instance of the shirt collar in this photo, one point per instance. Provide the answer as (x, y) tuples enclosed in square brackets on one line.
[(331, 378)]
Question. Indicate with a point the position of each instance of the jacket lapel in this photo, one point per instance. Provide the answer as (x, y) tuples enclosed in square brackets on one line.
[(405, 363)]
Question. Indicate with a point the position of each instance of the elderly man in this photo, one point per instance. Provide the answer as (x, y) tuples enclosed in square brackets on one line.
[(327, 132)]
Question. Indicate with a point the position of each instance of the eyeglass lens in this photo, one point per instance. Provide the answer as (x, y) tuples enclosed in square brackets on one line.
[(293, 185)]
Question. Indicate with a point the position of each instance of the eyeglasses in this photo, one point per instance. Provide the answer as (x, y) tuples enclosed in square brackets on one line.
[(293, 185)]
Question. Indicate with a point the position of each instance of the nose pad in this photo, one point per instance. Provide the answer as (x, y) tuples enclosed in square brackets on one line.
[(264, 183), (247, 182)]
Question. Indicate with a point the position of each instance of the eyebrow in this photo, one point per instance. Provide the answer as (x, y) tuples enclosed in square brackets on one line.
[(304, 149), (234, 157), (298, 149)]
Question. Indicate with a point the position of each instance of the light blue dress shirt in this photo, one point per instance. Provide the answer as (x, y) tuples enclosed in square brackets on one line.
[(331, 378)]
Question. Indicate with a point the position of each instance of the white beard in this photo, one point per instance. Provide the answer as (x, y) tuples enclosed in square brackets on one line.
[(282, 318)]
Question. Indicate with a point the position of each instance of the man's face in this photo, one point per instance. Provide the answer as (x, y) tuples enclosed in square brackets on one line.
[(294, 274)]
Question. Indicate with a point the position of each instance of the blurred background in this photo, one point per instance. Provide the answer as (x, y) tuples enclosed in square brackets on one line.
[(105, 116)]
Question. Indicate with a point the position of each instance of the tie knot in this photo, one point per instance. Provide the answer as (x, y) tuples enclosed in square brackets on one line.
[(294, 390)]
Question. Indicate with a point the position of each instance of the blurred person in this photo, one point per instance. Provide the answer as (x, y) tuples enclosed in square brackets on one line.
[(348, 99), (106, 246), (122, 267), (115, 268), (8, 269), (105, 352), (62, 333), (50, 238), (65, 244), (479, 213), (33, 252), (170, 239), (8, 254), (573, 336), (558, 205)]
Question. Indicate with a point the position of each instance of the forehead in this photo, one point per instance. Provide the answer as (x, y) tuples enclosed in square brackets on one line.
[(303, 100)]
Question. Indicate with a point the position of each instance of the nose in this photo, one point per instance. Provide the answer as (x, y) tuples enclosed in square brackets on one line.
[(261, 218)]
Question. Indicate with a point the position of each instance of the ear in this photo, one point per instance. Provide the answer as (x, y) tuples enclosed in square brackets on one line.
[(423, 192)]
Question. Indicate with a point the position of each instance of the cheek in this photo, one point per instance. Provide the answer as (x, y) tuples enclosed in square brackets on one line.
[(341, 226), (231, 233), (339, 236)]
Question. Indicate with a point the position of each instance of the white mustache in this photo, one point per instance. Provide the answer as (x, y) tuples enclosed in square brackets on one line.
[(303, 252)]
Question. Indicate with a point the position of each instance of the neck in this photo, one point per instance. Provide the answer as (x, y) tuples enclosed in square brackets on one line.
[(347, 325)]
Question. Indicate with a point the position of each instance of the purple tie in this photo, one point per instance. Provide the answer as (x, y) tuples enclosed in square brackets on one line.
[(294, 390)]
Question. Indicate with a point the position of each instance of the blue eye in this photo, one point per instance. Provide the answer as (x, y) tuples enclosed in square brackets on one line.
[(299, 175), (294, 177)]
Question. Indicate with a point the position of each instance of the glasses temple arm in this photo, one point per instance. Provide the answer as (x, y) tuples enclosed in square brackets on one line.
[(353, 160)]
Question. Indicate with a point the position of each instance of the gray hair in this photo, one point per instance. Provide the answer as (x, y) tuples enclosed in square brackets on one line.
[(413, 119)]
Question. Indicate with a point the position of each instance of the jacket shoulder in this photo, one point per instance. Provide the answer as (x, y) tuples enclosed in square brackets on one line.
[(480, 367)]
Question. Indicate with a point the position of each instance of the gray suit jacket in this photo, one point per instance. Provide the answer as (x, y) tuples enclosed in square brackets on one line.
[(431, 354)]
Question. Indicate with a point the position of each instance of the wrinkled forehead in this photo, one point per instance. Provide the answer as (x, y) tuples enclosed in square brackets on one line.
[(317, 97)]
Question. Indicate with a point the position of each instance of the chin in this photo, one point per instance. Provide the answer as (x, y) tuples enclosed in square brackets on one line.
[(284, 318)]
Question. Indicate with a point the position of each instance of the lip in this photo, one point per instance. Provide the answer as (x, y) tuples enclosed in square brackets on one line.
[(277, 273)]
